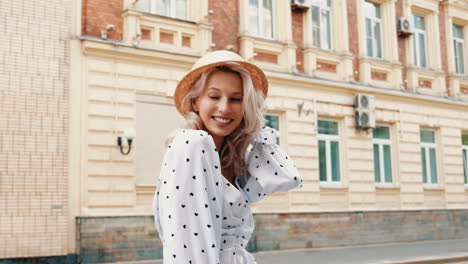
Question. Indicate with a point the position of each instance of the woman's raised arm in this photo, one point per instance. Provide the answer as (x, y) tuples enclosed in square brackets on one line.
[(188, 203)]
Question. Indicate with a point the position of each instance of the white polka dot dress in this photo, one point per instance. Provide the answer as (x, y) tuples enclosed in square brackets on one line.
[(200, 216)]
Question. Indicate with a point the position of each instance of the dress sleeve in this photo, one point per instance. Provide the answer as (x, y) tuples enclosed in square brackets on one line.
[(188, 203), (269, 169)]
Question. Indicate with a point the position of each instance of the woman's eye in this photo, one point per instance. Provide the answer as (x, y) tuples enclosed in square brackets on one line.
[(236, 99), (214, 97)]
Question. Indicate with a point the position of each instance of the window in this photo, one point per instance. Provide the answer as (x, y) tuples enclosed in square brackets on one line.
[(465, 156), (170, 8), (458, 46), (428, 156), (373, 29), (329, 153), (273, 122), (419, 41), (382, 154), (321, 25), (261, 18)]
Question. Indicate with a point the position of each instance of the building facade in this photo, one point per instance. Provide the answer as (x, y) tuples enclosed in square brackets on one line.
[(398, 172), (34, 124)]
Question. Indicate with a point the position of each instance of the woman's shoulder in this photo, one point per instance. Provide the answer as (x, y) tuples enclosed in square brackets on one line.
[(191, 139)]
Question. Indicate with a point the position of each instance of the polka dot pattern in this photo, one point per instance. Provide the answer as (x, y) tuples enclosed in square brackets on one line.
[(200, 216)]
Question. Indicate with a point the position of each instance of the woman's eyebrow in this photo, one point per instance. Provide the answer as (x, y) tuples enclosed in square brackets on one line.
[(218, 90), (214, 89)]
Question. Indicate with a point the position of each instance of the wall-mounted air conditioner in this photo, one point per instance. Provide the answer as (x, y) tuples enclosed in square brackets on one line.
[(404, 27), (365, 111), (301, 4)]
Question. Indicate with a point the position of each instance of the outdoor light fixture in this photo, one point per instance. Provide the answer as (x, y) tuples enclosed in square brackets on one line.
[(299, 108), (130, 135), (109, 28)]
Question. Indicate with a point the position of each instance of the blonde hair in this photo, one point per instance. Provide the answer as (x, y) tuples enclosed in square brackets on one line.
[(235, 144)]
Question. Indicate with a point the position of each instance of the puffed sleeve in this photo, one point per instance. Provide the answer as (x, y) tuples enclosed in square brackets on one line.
[(269, 169), (188, 203)]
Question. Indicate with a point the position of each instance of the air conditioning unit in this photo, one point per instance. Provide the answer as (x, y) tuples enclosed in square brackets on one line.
[(404, 27), (301, 4), (365, 111)]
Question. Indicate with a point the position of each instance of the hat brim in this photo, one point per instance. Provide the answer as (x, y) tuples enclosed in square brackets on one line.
[(259, 81)]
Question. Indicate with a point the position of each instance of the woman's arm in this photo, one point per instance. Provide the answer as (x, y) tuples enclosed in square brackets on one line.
[(269, 169), (188, 204)]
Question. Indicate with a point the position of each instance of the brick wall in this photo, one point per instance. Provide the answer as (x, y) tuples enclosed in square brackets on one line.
[(99, 13), (34, 97), (266, 57), (401, 43), (225, 19), (315, 230), (353, 35), (106, 239), (443, 44), (298, 37), (110, 239)]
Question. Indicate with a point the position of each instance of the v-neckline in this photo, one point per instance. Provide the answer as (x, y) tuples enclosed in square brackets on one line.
[(218, 161), (230, 183)]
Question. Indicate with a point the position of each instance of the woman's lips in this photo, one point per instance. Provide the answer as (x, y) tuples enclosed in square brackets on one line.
[(222, 121)]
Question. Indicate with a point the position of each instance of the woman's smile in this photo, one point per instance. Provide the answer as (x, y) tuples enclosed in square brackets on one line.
[(222, 120)]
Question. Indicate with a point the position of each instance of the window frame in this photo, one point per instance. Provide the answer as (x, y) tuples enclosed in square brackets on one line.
[(381, 142), (458, 40), (260, 19), (328, 139), (416, 50), (427, 146), (465, 161), (321, 28), (278, 139), (374, 21), (172, 9)]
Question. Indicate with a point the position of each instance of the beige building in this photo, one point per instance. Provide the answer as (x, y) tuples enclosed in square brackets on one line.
[(34, 124), (405, 158)]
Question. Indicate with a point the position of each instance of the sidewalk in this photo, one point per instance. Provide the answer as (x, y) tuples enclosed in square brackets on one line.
[(429, 252), (445, 251)]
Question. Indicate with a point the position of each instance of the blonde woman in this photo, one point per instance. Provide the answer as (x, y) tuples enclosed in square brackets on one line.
[(208, 179)]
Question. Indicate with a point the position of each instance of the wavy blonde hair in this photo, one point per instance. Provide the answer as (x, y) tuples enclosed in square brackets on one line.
[(235, 144)]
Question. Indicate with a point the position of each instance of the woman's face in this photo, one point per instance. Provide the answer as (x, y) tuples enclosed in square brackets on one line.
[(220, 104)]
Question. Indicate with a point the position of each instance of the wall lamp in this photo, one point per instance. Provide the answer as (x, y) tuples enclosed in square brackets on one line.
[(130, 135), (299, 108), (109, 28)]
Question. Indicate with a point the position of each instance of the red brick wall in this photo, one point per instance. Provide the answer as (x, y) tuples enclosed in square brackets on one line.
[(464, 89), (186, 41), (353, 35), (425, 83), (443, 45), (145, 34), (96, 14), (380, 76), (443, 41), (165, 37), (225, 19), (401, 43), (323, 66), (298, 38), (271, 58)]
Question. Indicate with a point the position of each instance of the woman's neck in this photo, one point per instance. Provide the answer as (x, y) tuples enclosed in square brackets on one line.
[(218, 141)]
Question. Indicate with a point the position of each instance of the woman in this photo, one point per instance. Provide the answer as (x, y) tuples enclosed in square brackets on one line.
[(208, 179)]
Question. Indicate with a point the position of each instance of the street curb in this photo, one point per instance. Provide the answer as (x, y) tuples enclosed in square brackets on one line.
[(431, 260)]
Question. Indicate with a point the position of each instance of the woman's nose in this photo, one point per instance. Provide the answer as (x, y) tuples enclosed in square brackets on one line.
[(223, 105)]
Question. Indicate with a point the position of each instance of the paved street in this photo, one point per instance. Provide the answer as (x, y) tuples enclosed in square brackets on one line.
[(433, 252)]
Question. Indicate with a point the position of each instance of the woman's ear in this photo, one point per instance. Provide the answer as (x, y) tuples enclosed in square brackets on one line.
[(195, 104)]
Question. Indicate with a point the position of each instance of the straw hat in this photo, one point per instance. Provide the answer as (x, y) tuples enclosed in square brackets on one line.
[(211, 60)]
